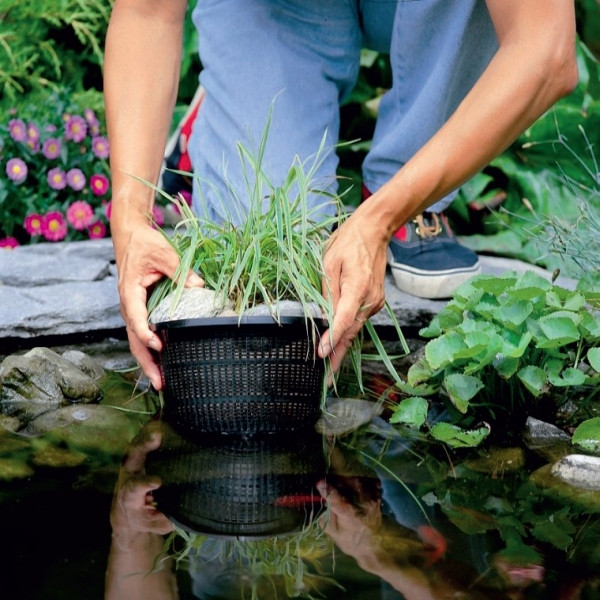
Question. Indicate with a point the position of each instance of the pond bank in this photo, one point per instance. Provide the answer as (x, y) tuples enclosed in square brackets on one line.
[(66, 292)]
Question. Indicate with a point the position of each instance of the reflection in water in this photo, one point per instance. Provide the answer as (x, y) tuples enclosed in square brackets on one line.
[(279, 518)]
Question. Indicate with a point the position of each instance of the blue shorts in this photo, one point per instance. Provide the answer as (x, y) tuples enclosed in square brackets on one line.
[(302, 58)]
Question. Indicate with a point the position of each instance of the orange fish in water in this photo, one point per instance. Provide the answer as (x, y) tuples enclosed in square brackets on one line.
[(435, 543)]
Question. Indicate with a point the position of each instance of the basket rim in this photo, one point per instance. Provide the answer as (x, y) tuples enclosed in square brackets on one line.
[(237, 321)]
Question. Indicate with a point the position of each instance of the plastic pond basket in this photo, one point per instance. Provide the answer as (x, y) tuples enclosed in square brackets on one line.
[(256, 376), (242, 488)]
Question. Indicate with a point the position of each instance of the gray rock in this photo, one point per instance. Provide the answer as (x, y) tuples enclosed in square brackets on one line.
[(87, 427), (579, 470), (343, 415), (41, 380), (546, 440), (92, 368), (194, 303), (285, 308)]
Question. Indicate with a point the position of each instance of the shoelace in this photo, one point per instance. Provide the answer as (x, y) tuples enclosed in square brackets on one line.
[(428, 231)]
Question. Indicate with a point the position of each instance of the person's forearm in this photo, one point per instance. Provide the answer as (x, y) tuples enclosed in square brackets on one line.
[(132, 572), (142, 65), (532, 69)]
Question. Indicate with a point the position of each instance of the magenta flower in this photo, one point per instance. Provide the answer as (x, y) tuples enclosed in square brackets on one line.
[(51, 148), (108, 209), (158, 216), (97, 230), (57, 179), (76, 128), (54, 226), (17, 130), (9, 243), (76, 179), (34, 224), (100, 146), (16, 169), (99, 184), (80, 214)]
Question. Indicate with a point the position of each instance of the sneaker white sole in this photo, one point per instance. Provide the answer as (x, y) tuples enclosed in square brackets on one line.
[(426, 284)]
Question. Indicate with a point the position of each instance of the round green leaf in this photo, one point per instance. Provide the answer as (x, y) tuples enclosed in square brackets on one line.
[(462, 388), (593, 356), (587, 435), (533, 378), (410, 411)]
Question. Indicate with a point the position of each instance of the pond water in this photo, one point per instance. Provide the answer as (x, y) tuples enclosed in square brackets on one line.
[(358, 510)]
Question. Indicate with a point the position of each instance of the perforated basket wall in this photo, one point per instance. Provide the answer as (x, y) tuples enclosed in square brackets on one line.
[(255, 487), (253, 377)]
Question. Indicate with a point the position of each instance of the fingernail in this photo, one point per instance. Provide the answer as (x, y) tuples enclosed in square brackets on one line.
[(154, 343), (325, 349)]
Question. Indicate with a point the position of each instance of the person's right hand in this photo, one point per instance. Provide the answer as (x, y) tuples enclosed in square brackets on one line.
[(144, 257)]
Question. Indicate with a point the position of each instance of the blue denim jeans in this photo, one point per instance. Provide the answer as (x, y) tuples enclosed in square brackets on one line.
[(301, 58)]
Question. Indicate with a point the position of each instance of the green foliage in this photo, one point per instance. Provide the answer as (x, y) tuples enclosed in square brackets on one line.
[(505, 342), (549, 178), (45, 43)]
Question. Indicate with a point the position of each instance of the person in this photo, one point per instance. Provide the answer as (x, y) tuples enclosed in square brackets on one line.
[(468, 77)]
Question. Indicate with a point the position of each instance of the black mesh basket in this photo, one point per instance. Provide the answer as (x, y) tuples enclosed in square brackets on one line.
[(244, 488), (251, 377)]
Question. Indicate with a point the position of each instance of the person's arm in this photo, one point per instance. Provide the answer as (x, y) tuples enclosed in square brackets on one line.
[(534, 66), (141, 78), (137, 534)]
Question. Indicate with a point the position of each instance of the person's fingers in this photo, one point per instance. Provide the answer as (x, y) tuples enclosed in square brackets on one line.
[(136, 457), (145, 359), (148, 259), (354, 274)]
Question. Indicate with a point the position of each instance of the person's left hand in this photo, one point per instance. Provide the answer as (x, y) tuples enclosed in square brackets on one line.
[(133, 512), (355, 262)]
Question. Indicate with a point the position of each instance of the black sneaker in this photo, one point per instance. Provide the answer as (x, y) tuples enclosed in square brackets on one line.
[(427, 261)]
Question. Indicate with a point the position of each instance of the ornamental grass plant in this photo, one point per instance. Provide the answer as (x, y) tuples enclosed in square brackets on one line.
[(270, 252)]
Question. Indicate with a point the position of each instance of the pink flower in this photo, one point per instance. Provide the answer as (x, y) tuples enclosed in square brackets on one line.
[(80, 214), (100, 146), (54, 226), (57, 179), (51, 148), (108, 209), (17, 130), (33, 134), (158, 216), (9, 243), (76, 179), (89, 115), (99, 184), (97, 230), (76, 128), (16, 169), (34, 224)]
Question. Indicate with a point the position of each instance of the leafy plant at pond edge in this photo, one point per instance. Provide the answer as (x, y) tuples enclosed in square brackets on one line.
[(510, 344)]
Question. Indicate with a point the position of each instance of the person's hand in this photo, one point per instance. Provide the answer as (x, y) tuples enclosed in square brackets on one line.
[(144, 257), (355, 261), (133, 513), (355, 524)]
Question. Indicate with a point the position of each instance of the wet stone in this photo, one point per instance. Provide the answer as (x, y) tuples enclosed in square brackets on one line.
[(579, 470), (86, 427), (498, 461), (41, 380)]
